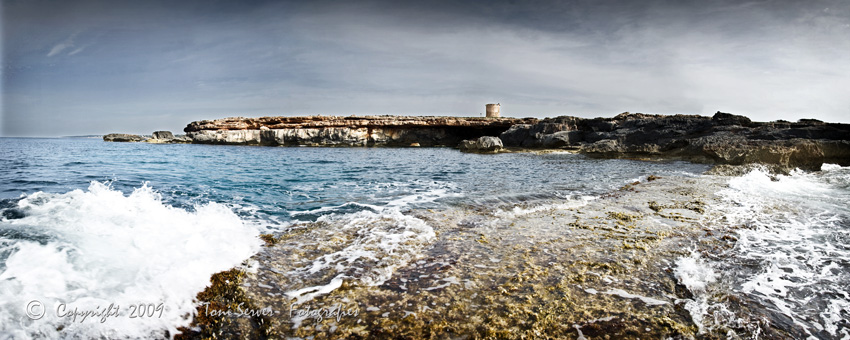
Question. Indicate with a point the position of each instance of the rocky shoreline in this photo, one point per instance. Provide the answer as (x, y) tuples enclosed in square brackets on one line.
[(572, 270), (721, 139)]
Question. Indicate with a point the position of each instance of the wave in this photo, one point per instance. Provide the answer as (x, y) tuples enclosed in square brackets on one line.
[(89, 249), (521, 210), (414, 197), (365, 247), (791, 255), (696, 275)]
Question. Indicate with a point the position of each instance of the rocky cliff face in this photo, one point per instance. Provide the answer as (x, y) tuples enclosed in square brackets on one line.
[(348, 131), (723, 139)]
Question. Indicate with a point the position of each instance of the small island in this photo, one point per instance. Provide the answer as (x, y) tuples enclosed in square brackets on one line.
[(721, 139)]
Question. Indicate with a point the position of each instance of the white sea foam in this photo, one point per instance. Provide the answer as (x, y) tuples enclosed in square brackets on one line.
[(433, 191), (335, 208), (792, 233), (626, 295), (693, 273), (830, 167), (426, 196), (376, 240), (518, 211), (92, 248), (374, 245)]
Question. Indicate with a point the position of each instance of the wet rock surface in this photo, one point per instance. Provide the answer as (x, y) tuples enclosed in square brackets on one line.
[(601, 268)]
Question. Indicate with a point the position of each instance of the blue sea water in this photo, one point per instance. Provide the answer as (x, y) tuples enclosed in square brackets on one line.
[(277, 181), (87, 224)]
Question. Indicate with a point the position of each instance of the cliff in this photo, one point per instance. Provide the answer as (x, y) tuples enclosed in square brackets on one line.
[(348, 131)]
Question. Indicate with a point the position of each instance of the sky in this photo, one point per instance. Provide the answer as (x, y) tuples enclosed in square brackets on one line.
[(96, 67)]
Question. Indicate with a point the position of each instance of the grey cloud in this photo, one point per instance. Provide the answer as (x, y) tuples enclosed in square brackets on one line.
[(159, 65)]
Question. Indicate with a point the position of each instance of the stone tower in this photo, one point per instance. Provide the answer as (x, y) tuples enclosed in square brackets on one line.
[(493, 110)]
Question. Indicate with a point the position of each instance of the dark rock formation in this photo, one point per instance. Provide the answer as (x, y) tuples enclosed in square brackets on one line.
[(483, 144), (162, 135), (348, 131), (122, 137), (722, 139), (166, 137), (158, 137)]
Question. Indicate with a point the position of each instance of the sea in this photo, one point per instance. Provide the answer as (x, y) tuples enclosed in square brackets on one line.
[(126, 234)]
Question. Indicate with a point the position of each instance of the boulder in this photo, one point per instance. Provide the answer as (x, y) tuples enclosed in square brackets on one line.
[(562, 139), (723, 118), (517, 135), (162, 135), (166, 137), (483, 144)]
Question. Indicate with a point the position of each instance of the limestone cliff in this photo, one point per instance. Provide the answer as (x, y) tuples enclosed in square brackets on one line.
[(348, 131)]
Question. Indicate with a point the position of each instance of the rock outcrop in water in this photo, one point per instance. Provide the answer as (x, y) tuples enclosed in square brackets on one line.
[(348, 131), (122, 137), (162, 135), (722, 139), (166, 137), (158, 137)]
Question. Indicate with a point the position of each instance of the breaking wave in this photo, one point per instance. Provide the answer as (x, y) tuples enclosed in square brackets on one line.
[(95, 248)]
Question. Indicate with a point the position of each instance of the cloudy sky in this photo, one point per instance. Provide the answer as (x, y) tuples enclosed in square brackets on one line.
[(94, 67)]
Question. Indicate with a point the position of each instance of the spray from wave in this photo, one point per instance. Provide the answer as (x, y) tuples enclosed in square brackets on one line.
[(95, 248), (790, 263)]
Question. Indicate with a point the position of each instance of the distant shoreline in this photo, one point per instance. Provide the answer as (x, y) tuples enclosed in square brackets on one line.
[(721, 139)]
